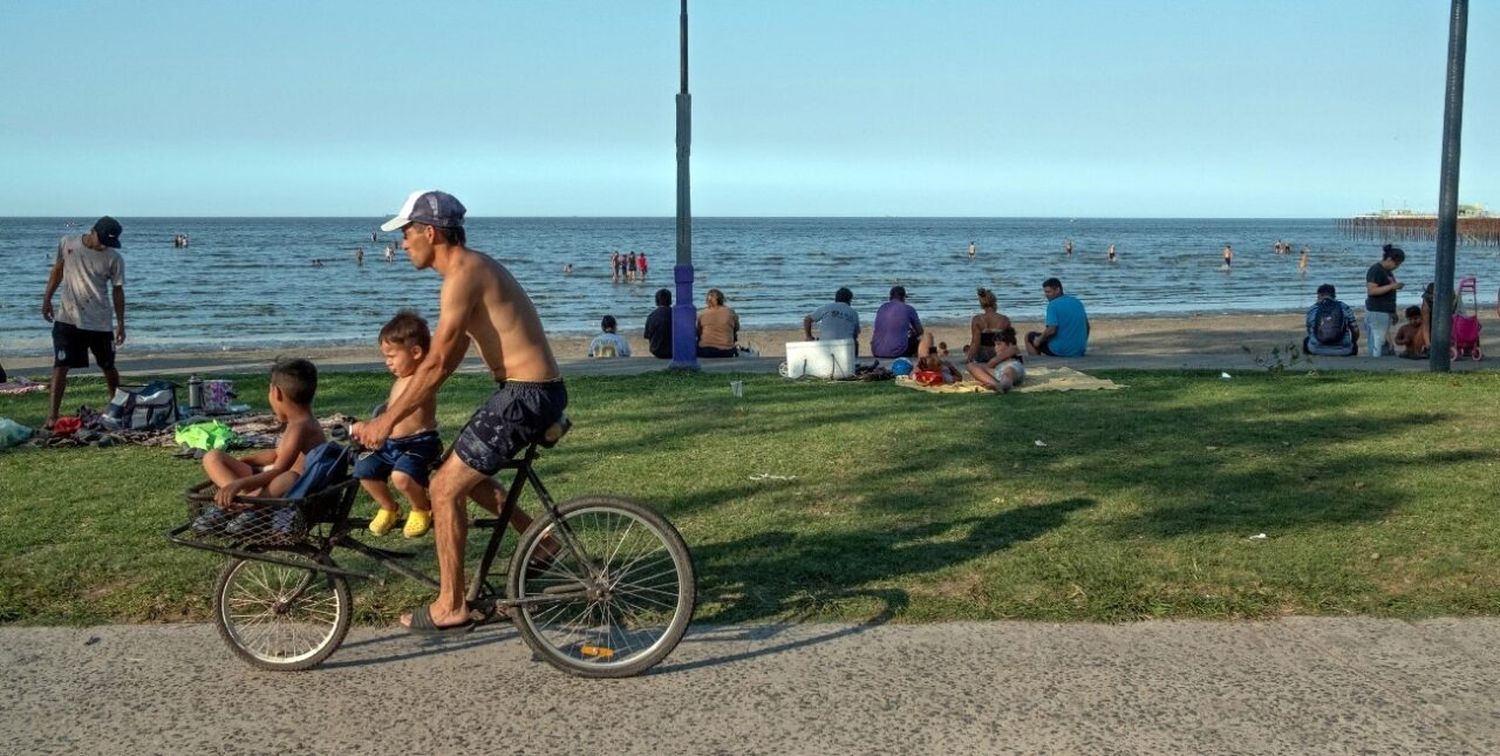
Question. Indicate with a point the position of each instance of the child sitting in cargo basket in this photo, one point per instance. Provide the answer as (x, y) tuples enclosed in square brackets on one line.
[(408, 456), (273, 472)]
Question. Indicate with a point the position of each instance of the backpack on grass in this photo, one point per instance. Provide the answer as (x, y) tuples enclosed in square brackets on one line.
[(149, 407), (1329, 325)]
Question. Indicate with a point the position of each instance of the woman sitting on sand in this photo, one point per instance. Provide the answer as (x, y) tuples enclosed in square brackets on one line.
[(984, 328), (718, 328)]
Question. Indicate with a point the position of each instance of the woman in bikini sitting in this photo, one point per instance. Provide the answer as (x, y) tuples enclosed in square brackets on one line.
[(984, 328)]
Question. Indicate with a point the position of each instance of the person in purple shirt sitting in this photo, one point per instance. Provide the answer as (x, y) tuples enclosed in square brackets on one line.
[(897, 327)]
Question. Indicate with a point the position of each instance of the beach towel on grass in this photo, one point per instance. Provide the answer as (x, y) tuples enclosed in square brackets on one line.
[(1037, 379), (20, 386)]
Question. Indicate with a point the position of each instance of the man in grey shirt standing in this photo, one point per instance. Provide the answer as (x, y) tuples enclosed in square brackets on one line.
[(836, 320), (88, 267)]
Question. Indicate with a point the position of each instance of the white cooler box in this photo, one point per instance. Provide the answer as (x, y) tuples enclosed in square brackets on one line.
[(820, 359)]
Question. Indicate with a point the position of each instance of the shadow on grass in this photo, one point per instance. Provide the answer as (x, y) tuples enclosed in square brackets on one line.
[(783, 576)]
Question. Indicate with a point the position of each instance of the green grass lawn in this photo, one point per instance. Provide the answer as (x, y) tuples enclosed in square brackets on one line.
[(1377, 494)]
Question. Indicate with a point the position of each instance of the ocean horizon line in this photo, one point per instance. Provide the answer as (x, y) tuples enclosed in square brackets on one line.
[(718, 217)]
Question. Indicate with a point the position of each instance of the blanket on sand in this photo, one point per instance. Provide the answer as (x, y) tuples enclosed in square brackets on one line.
[(1037, 379)]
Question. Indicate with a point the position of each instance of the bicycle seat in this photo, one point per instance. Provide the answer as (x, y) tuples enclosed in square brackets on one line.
[(552, 435)]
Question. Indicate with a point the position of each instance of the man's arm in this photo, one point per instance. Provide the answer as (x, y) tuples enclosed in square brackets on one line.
[(807, 322), (54, 279), (449, 345), (119, 298)]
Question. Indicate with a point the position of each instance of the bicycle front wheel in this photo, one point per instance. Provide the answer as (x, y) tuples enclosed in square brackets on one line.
[(281, 617), (612, 604)]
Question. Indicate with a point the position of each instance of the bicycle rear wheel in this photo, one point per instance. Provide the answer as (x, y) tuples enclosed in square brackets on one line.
[(280, 617), (618, 619)]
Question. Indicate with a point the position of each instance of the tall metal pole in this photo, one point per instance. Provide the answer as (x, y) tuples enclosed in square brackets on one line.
[(1447, 230), (684, 312)]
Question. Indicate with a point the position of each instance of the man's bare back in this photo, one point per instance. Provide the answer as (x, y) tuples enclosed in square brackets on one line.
[(498, 315)]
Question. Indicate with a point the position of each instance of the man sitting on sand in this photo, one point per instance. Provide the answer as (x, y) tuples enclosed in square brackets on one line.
[(482, 304), (1331, 328), (609, 343), (836, 320), (897, 327), (1067, 325), (658, 331)]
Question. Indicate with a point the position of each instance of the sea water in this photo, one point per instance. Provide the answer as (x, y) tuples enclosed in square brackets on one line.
[(251, 282)]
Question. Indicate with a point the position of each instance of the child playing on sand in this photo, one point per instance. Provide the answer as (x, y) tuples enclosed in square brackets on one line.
[(1006, 369), (271, 472), (931, 369), (1413, 335), (406, 458)]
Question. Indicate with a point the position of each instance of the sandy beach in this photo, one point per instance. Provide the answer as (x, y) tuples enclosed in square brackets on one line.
[(1205, 342)]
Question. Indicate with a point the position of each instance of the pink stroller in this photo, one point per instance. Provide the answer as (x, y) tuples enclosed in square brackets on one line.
[(1466, 327)]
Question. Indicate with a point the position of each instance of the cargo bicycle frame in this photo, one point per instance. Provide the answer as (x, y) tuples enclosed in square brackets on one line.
[(598, 586)]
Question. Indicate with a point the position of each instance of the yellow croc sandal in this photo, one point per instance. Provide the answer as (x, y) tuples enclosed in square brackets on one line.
[(417, 523), (384, 520)]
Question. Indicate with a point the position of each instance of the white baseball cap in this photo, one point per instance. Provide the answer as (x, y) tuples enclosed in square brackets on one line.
[(433, 208)]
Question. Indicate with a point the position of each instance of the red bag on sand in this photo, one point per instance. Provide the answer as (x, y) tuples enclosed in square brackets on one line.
[(66, 425), (928, 377)]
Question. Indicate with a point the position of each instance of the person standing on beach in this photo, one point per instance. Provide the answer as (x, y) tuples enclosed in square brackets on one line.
[(482, 304), (359, 256), (1380, 303), (1111, 253), (630, 267), (85, 268), (640, 265), (1068, 248), (897, 329), (1228, 256), (972, 250), (1302, 262), (614, 266)]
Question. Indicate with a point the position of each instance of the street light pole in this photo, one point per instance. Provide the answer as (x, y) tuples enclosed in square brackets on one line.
[(684, 312), (1447, 229)]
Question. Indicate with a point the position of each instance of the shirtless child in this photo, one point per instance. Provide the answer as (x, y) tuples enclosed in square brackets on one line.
[(270, 472), (483, 304), (406, 459), (1004, 371)]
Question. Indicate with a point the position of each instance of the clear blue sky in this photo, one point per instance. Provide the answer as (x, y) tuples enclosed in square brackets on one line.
[(801, 107)]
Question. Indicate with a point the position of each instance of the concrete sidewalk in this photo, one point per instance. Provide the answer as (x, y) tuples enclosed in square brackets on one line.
[(1299, 685)]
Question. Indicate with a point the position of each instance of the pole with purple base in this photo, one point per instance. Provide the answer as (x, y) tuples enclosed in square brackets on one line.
[(684, 312)]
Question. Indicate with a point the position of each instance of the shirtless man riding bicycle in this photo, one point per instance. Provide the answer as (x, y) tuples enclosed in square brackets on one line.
[(483, 304)]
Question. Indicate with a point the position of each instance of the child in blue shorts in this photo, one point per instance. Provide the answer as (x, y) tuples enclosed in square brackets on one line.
[(413, 449)]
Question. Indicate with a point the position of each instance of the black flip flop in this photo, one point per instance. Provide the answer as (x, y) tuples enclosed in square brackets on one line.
[(422, 624)]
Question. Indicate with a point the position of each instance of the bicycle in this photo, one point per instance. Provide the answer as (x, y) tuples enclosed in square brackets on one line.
[(598, 586)]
